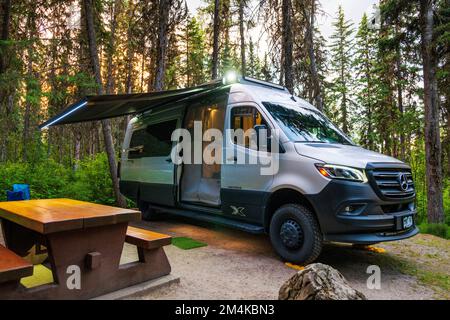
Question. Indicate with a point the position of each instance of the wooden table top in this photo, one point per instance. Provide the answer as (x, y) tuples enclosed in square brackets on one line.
[(54, 215)]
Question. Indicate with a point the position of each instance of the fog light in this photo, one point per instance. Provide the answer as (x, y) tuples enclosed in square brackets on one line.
[(353, 209)]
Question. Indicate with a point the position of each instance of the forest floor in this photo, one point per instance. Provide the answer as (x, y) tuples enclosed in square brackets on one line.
[(237, 265)]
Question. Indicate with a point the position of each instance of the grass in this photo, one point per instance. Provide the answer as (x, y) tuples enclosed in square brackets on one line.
[(187, 243), (437, 229), (439, 282), (423, 257)]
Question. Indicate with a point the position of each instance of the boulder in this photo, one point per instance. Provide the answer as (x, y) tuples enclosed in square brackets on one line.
[(318, 282)]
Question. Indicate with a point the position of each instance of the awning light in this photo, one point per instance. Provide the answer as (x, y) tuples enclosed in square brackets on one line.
[(64, 115)]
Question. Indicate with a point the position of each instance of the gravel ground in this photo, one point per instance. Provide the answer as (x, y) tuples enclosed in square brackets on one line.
[(237, 265)]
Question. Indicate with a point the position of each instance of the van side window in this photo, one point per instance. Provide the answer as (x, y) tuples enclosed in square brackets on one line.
[(152, 141), (246, 118)]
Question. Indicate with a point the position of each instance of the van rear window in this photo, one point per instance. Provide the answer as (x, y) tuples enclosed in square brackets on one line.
[(152, 141)]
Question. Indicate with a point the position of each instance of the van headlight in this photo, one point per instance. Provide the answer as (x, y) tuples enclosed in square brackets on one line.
[(341, 172)]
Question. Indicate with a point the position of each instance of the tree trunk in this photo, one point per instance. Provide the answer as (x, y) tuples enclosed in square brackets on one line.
[(162, 44), (312, 56), (30, 83), (287, 45), (242, 36), (106, 125), (447, 144), (111, 49), (448, 140), (27, 112), (5, 11), (215, 55), (129, 67), (77, 151), (368, 74), (398, 63), (432, 138)]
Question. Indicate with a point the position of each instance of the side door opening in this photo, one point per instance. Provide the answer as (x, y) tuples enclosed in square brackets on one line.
[(200, 183)]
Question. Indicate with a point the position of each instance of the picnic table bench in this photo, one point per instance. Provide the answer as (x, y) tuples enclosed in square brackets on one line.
[(13, 267), (77, 234)]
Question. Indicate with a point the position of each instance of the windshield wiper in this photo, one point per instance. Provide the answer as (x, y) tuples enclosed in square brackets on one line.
[(312, 141), (344, 143)]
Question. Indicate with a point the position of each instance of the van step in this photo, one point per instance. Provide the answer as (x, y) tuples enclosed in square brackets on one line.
[(212, 218)]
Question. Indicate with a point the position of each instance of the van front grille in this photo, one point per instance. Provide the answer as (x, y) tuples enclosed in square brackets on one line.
[(393, 183)]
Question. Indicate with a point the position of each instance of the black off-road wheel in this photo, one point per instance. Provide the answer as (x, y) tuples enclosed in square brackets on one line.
[(295, 234), (148, 213)]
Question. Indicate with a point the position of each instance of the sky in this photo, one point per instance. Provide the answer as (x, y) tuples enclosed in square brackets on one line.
[(353, 10)]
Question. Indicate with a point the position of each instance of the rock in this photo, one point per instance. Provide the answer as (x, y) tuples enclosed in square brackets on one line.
[(318, 282)]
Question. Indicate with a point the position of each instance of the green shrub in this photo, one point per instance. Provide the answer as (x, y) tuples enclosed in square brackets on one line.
[(446, 197), (91, 181), (438, 229), (47, 179)]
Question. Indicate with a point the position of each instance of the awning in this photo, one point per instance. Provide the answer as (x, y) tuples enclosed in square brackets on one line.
[(101, 107)]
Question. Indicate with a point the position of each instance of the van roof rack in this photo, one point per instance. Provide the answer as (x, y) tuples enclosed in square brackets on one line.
[(264, 83)]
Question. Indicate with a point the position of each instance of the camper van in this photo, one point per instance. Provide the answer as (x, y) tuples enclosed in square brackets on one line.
[(323, 187)]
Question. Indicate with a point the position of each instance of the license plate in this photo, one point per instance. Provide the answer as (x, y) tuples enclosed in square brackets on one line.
[(407, 222)]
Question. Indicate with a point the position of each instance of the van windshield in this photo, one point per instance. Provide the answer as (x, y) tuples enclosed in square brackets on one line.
[(305, 125)]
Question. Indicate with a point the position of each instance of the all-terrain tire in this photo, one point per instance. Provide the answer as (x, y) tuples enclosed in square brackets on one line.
[(295, 234)]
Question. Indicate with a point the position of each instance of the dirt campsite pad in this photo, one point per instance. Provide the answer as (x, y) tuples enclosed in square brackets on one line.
[(237, 265)]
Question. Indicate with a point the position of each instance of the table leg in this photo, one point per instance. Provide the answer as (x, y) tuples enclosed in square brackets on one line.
[(93, 255)]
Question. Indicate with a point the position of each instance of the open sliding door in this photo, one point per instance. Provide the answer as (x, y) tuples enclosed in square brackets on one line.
[(200, 183)]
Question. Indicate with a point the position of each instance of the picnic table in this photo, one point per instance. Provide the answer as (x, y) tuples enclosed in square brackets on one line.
[(76, 235)]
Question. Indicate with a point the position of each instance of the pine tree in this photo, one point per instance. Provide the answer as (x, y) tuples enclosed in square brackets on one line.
[(364, 66), (229, 60), (341, 56), (266, 71), (195, 69), (253, 63)]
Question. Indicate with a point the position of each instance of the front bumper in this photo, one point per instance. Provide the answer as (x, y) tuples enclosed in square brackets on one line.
[(373, 220), (369, 238)]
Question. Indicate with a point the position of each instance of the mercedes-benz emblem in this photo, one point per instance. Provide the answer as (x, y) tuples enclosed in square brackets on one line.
[(403, 180)]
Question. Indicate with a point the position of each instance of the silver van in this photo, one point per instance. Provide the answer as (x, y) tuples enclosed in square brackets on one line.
[(325, 187)]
